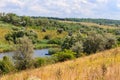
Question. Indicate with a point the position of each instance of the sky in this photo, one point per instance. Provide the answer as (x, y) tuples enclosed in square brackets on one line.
[(109, 9)]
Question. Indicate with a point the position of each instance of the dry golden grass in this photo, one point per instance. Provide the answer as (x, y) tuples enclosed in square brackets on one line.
[(97, 25), (3, 31), (52, 33), (101, 66), (90, 24)]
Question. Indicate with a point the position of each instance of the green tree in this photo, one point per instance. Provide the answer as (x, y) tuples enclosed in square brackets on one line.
[(68, 42), (24, 53), (78, 48), (19, 33), (110, 41), (93, 43)]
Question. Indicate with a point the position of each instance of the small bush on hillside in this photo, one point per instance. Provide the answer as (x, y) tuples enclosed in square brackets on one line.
[(43, 30), (78, 48), (55, 41), (40, 62), (68, 42), (6, 65), (64, 55), (47, 37), (110, 41), (59, 31)]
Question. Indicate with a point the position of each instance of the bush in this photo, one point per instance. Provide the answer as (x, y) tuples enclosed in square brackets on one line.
[(78, 48), (96, 42), (68, 42), (23, 54), (64, 55), (15, 35), (59, 31), (54, 50), (93, 43), (47, 37), (110, 41), (39, 62), (43, 30), (6, 66), (55, 41)]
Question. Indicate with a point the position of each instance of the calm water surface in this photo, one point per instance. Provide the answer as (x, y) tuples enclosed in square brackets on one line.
[(37, 53)]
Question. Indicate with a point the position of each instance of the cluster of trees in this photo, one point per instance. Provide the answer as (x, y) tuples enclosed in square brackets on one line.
[(91, 43), (28, 21), (46, 22), (23, 57), (98, 21), (17, 33)]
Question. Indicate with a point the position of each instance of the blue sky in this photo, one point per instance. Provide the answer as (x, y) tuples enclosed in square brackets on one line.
[(109, 9)]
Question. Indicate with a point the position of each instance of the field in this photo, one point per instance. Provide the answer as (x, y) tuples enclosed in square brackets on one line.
[(90, 24), (101, 66), (6, 28)]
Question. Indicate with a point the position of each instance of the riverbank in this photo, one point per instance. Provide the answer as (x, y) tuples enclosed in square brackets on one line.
[(9, 48)]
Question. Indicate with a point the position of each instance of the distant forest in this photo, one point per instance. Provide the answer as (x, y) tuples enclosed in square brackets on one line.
[(33, 20), (98, 21)]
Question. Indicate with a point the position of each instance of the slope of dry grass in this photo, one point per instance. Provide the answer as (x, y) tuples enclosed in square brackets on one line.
[(101, 66), (90, 24), (100, 26)]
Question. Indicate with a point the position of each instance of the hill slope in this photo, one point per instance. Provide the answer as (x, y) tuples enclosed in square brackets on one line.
[(101, 66)]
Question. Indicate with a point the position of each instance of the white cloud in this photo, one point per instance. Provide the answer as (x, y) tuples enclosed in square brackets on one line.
[(118, 3), (60, 8), (102, 1), (39, 9)]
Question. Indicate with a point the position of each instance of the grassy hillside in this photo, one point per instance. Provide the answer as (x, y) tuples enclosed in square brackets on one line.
[(7, 28), (52, 33), (4, 29), (101, 66)]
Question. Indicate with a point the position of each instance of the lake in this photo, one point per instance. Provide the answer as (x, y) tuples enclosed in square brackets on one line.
[(37, 53)]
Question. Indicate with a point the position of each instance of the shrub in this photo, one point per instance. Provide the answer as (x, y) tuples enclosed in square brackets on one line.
[(68, 42), (6, 66), (54, 50), (15, 35), (43, 30), (60, 31), (96, 42), (55, 41), (23, 54), (47, 37), (78, 48), (64, 55), (110, 41), (93, 43), (39, 62)]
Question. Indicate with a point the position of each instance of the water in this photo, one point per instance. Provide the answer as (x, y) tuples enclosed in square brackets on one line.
[(37, 53)]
